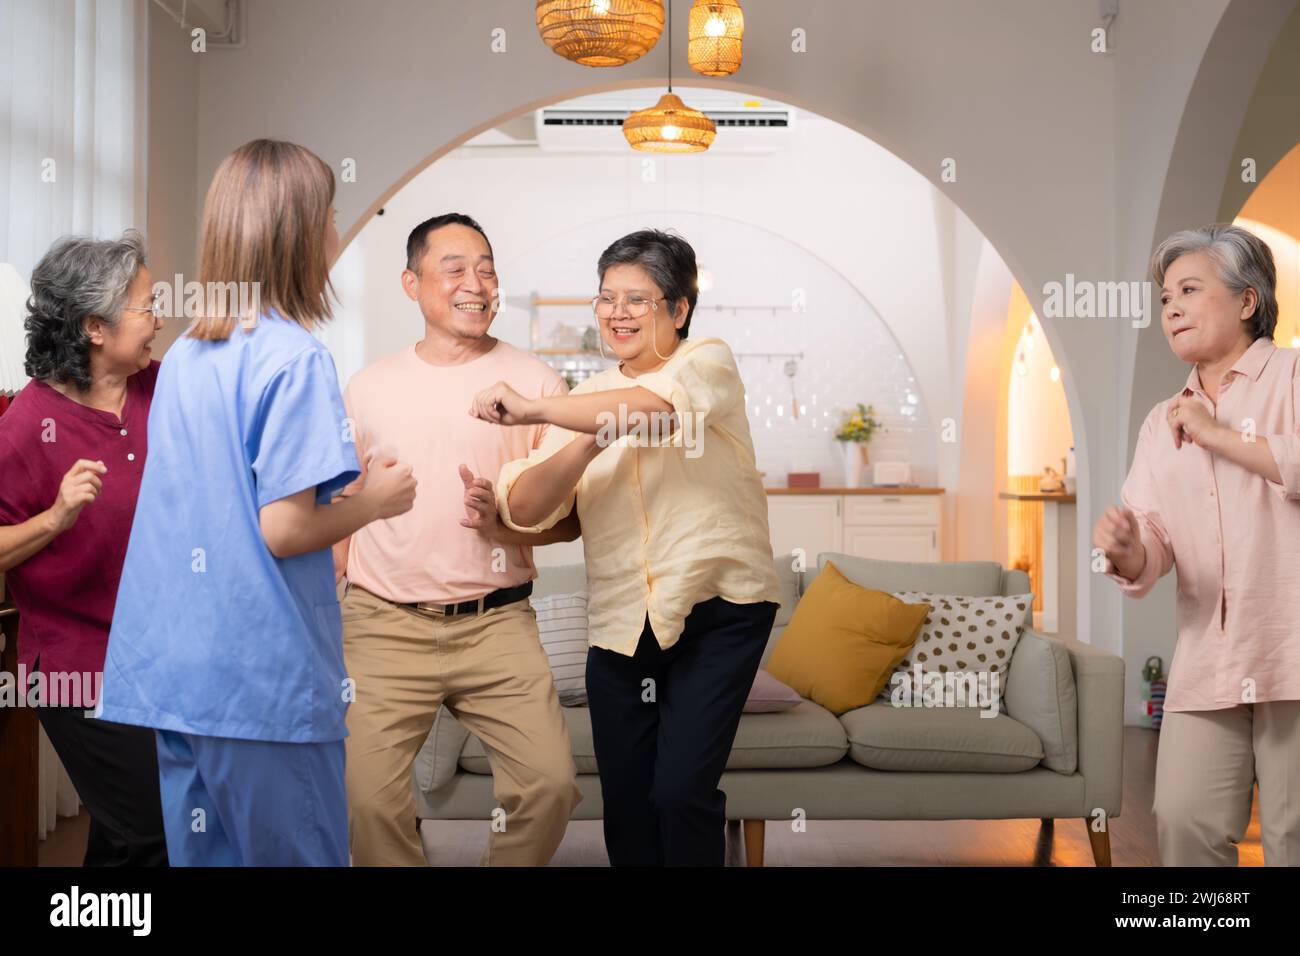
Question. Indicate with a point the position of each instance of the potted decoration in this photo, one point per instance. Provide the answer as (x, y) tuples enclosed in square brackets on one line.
[(855, 431)]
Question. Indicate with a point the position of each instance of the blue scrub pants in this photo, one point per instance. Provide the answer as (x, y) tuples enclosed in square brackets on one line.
[(229, 802)]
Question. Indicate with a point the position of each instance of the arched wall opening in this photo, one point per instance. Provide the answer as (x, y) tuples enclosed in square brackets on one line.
[(917, 241)]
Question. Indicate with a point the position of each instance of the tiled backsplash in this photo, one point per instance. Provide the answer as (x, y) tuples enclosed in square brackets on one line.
[(860, 363)]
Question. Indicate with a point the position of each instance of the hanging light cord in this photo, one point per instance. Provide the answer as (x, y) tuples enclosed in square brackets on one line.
[(669, 5)]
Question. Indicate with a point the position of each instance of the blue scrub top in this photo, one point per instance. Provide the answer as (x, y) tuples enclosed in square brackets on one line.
[(211, 633)]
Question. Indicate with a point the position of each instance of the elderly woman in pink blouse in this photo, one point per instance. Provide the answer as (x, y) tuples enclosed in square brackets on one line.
[(1214, 493)]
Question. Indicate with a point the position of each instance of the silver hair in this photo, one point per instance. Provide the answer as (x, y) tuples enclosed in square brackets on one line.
[(77, 278), (1244, 261)]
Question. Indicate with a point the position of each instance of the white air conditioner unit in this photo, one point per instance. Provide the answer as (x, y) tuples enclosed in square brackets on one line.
[(562, 129)]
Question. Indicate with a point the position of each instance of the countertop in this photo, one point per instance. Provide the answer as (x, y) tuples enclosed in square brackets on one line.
[(875, 490)]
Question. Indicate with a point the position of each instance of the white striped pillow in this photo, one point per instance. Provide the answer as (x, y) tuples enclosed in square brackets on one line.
[(562, 626)]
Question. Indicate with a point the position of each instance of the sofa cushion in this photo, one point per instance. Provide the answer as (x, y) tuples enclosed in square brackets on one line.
[(560, 579), (974, 636), (769, 696), (788, 582), (805, 736), (951, 577), (1040, 693), (939, 739), (844, 641), (562, 628), (435, 764)]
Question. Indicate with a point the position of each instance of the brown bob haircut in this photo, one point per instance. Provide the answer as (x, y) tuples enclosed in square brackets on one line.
[(264, 224)]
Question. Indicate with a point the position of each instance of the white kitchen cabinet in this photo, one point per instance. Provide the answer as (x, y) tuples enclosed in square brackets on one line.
[(887, 527), (814, 523)]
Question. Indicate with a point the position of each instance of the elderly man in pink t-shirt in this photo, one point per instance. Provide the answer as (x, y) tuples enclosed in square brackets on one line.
[(436, 609)]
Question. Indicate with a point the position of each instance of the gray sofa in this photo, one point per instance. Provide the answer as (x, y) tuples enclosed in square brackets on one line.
[(1054, 750)]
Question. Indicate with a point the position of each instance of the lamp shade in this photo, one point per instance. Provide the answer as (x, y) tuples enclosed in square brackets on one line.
[(600, 32), (670, 126), (715, 32)]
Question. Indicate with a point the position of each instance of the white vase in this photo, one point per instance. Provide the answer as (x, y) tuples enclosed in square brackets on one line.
[(855, 461)]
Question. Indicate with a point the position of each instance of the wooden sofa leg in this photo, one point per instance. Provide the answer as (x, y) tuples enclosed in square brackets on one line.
[(754, 833), (1100, 843)]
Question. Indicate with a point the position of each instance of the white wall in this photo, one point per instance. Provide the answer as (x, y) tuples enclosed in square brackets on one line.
[(1038, 421)]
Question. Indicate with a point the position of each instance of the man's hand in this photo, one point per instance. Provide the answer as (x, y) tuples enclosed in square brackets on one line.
[(480, 505), (502, 405), (80, 486), (1191, 422), (1118, 534)]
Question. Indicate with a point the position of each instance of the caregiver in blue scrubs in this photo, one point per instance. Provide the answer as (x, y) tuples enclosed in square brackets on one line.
[(226, 637)]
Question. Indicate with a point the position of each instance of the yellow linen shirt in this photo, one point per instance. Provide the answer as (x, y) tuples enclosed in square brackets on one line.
[(667, 523)]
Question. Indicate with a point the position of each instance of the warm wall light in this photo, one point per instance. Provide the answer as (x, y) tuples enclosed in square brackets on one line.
[(670, 126), (716, 32), (600, 32)]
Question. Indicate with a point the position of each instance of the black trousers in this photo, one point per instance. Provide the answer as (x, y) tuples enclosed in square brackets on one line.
[(115, 770), (661, 747)]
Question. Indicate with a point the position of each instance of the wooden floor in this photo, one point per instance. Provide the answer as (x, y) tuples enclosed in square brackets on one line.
[(845, 842)]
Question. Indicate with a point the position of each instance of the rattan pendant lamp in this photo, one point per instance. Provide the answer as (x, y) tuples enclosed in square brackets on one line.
[(670, 126), (715, 35), (600, 32)]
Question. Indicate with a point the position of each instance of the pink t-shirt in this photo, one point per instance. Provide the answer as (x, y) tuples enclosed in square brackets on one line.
[(403, 407), (1231, 536)]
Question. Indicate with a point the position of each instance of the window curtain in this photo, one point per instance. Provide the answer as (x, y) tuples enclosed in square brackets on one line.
[(72, 161), (72, 134)]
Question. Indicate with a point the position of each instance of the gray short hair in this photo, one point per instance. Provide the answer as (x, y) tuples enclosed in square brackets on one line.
[(78, 277), (1244, 261)]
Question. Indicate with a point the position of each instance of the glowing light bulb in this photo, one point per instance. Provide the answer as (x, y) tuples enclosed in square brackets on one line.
[(716, 27), (600, 7), (1020, 368), (1055, 373), (671, 132)]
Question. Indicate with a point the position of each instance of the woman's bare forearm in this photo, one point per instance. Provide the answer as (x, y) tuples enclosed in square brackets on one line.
[(18, 542), (539, 490), (566, 529), (298, 525), (590, 412)]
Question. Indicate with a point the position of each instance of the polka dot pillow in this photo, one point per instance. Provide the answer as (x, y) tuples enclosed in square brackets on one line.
[(969, 635)]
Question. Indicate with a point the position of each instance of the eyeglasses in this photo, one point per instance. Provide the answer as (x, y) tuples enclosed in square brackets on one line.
[(604, 306), (155, 306)]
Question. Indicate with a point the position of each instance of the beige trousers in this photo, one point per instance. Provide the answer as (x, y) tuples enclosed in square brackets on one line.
[(1206, 766), (491, 672)]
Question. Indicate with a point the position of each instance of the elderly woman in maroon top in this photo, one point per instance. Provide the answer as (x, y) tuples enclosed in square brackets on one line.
[(72, 449)]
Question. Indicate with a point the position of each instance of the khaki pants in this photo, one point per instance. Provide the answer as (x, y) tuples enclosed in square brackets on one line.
[(491, 672), (1207, 764)]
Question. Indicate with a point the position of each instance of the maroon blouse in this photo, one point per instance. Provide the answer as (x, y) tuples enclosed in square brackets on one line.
[(65, 592)]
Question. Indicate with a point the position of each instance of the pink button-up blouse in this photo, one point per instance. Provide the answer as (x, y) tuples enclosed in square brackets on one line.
[(1232, 536)]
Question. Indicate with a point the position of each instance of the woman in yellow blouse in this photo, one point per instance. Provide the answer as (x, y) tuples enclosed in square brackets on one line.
[(657, 456)]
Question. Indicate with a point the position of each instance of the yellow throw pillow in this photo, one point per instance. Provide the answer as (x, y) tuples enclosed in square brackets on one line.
[(843, 641)]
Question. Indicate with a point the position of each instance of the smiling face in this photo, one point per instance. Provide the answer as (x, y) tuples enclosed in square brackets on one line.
[(628, 287), (124, 348), (456, 285), (1202, 318)]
